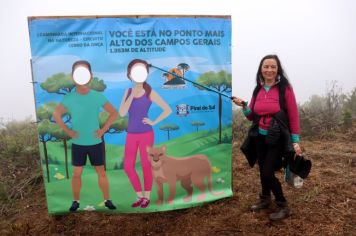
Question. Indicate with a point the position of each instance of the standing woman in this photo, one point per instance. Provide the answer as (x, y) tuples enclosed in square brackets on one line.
[(136, 102), (264, 106)]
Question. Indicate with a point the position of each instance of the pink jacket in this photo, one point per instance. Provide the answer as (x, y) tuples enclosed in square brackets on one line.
[(267, 104)]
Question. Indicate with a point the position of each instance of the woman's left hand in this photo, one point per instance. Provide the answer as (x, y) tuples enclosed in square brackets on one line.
[(297, 148), (147, 121)]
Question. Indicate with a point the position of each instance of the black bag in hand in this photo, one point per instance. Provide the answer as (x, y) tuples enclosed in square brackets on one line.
[(300, 166)]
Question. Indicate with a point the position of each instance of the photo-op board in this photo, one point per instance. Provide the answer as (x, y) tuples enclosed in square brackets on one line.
[(172, 138)]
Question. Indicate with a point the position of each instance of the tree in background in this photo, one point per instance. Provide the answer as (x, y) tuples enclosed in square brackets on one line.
[(350, 102), (197, 124), (322, 114), (347, 118), (240, 125), (169, 128), (219, 81), (17, 138), (334, 100), (310, 116)]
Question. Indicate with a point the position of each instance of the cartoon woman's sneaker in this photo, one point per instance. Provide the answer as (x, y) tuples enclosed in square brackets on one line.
[(138, 202), (145, 202)]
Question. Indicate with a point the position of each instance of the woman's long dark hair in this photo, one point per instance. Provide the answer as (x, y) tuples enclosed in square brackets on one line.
[(146, 86), (283, 79)]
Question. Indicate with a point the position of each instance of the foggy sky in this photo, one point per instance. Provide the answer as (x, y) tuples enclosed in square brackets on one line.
[(315, 40)]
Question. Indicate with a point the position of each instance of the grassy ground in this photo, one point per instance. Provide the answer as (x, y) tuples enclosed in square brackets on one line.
[(59, 194), (325, 205)]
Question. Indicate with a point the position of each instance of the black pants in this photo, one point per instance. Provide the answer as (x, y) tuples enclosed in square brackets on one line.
[(269, 160)]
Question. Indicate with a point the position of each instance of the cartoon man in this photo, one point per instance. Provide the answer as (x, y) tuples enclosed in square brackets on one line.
[(83, 105)]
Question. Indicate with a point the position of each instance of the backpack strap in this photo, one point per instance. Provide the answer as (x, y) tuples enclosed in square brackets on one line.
[(256, 118), (282, 99), (254, 95)]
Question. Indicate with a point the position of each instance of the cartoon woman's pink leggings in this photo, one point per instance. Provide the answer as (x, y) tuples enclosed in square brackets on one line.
[(133, 143)]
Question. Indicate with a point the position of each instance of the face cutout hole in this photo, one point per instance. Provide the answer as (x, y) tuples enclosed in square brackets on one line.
[(139, 73), (81, 75)]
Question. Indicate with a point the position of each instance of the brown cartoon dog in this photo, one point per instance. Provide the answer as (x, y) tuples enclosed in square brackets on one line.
[(193, 169)]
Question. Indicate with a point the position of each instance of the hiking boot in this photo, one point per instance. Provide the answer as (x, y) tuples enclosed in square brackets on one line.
[(281, 213), (74, 206), (110, 205), (138, 202), (145, 202), (264, 203)]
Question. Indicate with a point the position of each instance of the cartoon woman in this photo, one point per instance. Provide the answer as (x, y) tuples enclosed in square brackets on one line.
[(137, 101)]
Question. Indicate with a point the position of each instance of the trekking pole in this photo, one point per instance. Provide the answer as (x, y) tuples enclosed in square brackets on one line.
[(195, 83)]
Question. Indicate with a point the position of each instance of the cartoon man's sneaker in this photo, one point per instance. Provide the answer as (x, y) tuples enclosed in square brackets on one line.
[(74, 206), (110, 205)]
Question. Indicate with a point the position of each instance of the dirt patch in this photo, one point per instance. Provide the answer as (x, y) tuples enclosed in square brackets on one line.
[(324, 206)]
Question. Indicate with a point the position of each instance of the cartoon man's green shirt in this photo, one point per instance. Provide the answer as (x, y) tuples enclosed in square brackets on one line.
[(84, 111)]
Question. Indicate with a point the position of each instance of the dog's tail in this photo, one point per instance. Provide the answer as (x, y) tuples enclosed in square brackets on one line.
[(210, 186)]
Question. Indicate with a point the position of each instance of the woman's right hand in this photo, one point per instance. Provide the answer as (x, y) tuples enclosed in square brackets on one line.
[(239, 101), (297, 148)]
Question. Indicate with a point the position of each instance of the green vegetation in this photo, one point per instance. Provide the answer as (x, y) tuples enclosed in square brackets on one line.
[(323, 206), (218, 81), (320, 117), (169, 128), (197, 124), (203, 142), (16, 136)]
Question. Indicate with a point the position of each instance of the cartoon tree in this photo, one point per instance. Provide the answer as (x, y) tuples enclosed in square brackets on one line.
[(165, 76), (97, 84), (45, 132), (59, 83), (118, 126), (63, 84), (169, 128), (219, 81), (59, 134), (45, 112), (197, 124), (173, 77), (184, 67)]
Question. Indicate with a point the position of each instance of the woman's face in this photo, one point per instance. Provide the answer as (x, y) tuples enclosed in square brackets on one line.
[(139, 73), (269, 69)]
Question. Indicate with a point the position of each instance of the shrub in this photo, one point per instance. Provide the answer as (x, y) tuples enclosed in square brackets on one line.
[(18, 138)]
